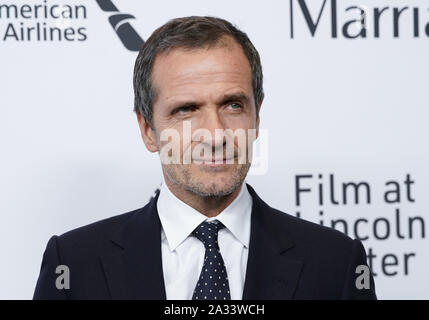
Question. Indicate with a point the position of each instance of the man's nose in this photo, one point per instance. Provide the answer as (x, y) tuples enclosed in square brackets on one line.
[(213, 122)]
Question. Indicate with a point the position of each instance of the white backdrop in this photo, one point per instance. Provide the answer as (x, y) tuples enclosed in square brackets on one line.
[(356, 109)]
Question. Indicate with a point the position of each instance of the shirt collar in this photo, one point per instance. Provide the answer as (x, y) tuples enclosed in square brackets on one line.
[(178, 219)]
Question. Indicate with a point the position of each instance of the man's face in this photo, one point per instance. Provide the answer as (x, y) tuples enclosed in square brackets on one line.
[(208, 89)]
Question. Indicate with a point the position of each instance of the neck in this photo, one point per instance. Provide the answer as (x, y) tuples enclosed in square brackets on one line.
[(209, 206)]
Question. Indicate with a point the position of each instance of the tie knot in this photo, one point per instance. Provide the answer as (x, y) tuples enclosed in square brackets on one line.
[(207, 232)]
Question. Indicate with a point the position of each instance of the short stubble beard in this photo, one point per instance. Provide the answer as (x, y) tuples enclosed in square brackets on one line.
[(181, 177)]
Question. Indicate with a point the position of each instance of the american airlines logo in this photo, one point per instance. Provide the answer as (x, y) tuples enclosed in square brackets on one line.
[(43, 22), (47, 21), (120, 24), (357, 21)]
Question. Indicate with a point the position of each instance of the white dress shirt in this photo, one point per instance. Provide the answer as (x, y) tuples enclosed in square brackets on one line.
[(183, 254)]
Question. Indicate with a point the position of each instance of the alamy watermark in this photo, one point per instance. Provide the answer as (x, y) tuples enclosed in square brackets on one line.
[(225, 146)]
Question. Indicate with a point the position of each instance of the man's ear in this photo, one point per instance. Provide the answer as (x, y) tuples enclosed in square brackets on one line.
[(147, 133)]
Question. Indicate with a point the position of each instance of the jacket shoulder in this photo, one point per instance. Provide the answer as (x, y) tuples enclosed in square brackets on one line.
[(91, 240), (97, 229), (312, 236), (300, 231)]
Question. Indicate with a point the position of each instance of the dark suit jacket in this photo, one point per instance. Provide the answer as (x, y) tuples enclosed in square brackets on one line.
[(120, 258)]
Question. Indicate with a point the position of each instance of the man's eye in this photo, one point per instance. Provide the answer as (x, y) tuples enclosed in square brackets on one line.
[(184, 109), (235, 106)]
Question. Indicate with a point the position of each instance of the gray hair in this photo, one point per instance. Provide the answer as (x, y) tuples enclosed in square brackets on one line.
[(191, 33)]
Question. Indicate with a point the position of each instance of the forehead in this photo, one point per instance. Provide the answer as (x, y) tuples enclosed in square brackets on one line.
[(183, 69)]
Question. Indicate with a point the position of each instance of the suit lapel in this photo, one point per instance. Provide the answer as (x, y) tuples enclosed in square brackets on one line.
[(272, 273), (133, 264)]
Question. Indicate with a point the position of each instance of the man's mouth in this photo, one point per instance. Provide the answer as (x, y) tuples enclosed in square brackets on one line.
[(215, 161)]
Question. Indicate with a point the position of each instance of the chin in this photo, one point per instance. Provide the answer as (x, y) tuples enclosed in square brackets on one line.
[(214, 188), (207, 183)]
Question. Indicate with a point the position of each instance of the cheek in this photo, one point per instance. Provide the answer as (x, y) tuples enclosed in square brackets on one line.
[(242, 128)]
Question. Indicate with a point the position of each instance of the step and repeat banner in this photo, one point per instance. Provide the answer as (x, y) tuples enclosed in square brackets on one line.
[(345, 121)]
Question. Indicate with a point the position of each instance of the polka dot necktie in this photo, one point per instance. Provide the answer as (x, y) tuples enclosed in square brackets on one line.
[(213, 281)]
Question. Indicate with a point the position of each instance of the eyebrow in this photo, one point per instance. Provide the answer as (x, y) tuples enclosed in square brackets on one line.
[(236, 96)]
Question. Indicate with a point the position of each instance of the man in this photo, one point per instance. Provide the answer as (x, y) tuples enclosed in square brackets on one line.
[(206, 234)]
